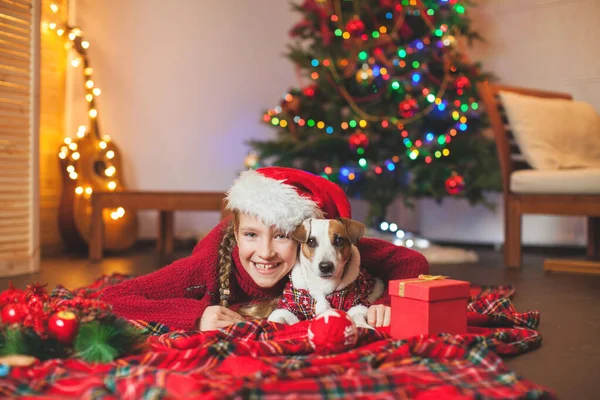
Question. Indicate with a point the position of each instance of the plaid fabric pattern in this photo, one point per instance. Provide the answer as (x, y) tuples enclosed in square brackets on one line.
[(262, 360), (300, 303)]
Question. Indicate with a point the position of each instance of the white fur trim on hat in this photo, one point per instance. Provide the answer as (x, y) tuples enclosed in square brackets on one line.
[(272, 201)]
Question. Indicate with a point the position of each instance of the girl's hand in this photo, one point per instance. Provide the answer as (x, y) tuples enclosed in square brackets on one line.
[(379, 315), (216, 317)]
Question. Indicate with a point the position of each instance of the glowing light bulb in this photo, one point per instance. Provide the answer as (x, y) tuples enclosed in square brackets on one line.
[(52, 25), (384, 226), (54, 7), (93, 113), (75, 62), (70, 169), (112, 185), (400, 234), (88, 71), (79, 190), (110, 171), (64, 149), (72, 36), (96, 91), (62, 156), (102, 145), (68, 140), (88, 190), (80, 134), (60, 32), (89, 97), (85, 44), (89, 83), (73, 175), (393, 227), (121, 211), (409, 243), (73, 146), (75, 156), (110, 154), (114, 215), (81, 128), (106, 138)]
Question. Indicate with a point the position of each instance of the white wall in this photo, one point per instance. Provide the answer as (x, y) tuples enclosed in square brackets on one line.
[(546, 44), (184, 83)]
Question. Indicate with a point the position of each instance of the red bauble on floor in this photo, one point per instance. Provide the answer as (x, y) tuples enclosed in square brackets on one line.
[(12, 314), (332, 332), (63, 326)]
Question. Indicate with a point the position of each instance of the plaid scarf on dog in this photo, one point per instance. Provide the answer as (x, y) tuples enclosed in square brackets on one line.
[(301, 304)]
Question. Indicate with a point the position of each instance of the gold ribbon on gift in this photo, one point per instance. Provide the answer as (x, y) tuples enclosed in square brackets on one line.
[(420, 278)]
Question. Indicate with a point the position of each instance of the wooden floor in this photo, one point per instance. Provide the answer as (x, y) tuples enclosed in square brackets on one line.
[(568, 361)]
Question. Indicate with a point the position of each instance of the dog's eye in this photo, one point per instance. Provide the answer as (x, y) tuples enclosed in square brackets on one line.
[(338, 241), (311, 242)]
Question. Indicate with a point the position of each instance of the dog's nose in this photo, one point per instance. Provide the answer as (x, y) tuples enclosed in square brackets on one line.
[(326, 267)]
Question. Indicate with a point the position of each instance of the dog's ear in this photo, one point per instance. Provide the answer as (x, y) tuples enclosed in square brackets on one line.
[(302, 231), (354, 229)]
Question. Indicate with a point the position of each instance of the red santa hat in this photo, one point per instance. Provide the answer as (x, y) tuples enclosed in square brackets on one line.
[(284, 197)]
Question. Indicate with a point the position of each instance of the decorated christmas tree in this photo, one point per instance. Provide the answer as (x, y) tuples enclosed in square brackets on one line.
[(389, 106)]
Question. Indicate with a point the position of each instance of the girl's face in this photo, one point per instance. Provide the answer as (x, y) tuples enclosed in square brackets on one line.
[(266, 254)]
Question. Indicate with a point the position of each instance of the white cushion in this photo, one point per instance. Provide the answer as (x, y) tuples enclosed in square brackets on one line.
[(554, 133), (566, 181)]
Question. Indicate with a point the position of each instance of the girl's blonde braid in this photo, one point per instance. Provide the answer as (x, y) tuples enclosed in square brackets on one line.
[(226, 263)]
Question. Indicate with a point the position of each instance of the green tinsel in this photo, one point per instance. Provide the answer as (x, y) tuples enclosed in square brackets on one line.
[(12, 341), (104, 342)]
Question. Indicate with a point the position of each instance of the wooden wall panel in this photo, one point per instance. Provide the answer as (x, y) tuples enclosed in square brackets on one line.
[(52, 122)]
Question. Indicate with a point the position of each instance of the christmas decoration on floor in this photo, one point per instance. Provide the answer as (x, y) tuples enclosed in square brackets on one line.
[(62, 325), (391, 109), (261, 358)]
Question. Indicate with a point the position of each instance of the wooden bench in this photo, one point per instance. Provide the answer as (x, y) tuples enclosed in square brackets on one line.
[(165, 202)]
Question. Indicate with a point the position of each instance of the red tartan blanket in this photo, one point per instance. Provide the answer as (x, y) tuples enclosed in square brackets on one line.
[(264, 360)]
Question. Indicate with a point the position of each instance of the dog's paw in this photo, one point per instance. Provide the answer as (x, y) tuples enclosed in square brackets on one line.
[(322, 306), (283, 317)]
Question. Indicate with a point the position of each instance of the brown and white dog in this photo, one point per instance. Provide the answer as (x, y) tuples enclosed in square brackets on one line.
[(329, 262)]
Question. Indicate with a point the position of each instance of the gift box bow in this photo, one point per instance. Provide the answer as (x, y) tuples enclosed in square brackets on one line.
[(420, 278)]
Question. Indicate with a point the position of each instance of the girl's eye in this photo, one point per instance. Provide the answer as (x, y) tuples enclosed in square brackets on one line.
[(250, 234), (281, 236), (311, 242), (338, 241)]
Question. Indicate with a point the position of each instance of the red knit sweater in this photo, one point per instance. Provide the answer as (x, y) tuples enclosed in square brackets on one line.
[(177, 295)]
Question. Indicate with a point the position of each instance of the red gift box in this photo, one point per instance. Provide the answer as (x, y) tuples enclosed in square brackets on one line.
[(428, 305)]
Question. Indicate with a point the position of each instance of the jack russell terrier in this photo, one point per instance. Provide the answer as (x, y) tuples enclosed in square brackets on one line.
[(327, 274)]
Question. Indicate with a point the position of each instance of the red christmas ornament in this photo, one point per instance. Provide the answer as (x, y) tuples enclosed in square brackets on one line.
[(332, 332), (309, 90), (12, 314), (455, 184), (408, 108), (358, 139), (355, 27), (63, 326), (462, 82)]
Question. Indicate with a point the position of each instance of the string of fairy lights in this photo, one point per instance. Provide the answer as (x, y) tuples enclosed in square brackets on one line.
[(69, 152), (396, 74)]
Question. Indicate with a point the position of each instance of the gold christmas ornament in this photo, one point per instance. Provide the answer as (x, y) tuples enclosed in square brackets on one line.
[(364, 76)]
